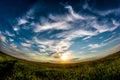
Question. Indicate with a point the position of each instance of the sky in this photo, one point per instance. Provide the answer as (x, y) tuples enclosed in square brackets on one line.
[(58, 31)]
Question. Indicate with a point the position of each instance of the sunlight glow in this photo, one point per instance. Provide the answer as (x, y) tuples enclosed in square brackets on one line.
[(64, 57)]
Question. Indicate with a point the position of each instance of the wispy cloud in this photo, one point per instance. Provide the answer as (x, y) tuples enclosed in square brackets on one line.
[(72, 24), (3, 38), (104, 42), (93, 46), (51, 26), (26, 44), (115, 11), (22, 21), (70, 35), (9, 34), (61, 22), (13, 46), (53, 35), (59, 54), (104, 27), (73, 14), (53, 45), (11, 40)]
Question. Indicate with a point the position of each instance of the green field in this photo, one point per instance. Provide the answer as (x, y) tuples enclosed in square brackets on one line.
[(107, 68)]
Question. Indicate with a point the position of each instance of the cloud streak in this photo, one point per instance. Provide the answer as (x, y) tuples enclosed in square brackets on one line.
[(52, 34)]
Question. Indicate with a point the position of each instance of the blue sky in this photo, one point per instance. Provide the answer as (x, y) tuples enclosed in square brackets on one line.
[(44, 31)]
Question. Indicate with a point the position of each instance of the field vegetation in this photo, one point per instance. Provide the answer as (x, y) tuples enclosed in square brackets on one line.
[(107, 68)]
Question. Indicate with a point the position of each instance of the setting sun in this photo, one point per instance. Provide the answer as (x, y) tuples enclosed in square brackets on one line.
[(64, 57)]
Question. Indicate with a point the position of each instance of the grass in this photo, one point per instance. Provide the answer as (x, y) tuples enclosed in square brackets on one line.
[(107, 68)]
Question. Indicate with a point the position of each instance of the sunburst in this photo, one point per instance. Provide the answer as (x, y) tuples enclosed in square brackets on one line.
[(64, 57)]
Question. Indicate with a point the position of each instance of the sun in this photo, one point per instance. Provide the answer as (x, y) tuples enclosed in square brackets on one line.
[(64, 57)]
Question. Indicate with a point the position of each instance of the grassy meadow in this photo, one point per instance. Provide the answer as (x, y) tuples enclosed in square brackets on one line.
[(107, 68)]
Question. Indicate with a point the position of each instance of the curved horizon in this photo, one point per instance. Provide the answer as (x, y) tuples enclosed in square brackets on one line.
[(60, 31)]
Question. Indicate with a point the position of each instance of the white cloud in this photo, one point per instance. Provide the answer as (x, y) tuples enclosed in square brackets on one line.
[(27, 41), (73, 25), (3, 38), (22, 21), (43, 42), (42, 50), (108, 39), (61, 22), (73, 14), (104, 27), (11, 40), (111, 41), (26, 44), (93, 46), (116, 11), (49, 26), (53, 45), (70, 35), (15, 28), (58, 54), (86, 38), (104, 42), (9, 34), (60, 46), (42, 46), (13, 45), (115, 23)]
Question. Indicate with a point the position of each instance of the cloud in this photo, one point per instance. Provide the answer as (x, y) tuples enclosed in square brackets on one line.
[(73, 14), (13, 46), (22, 21), (3, 38), (71, 20), (43, 42), (107, 12), (51, 26), (53, 35), (61, 22), (26, 44), (55, 55), (104, 27), (104, 12), (104, 42), (72, 24), (115, 23), (28, 41), (60, 46), (117, 39), (73, 34), (112, 50), (93, 46), (9, 34), (54, 46), (12, 52), (59, 54), (11, 40), (108, 39), (15, 28)]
